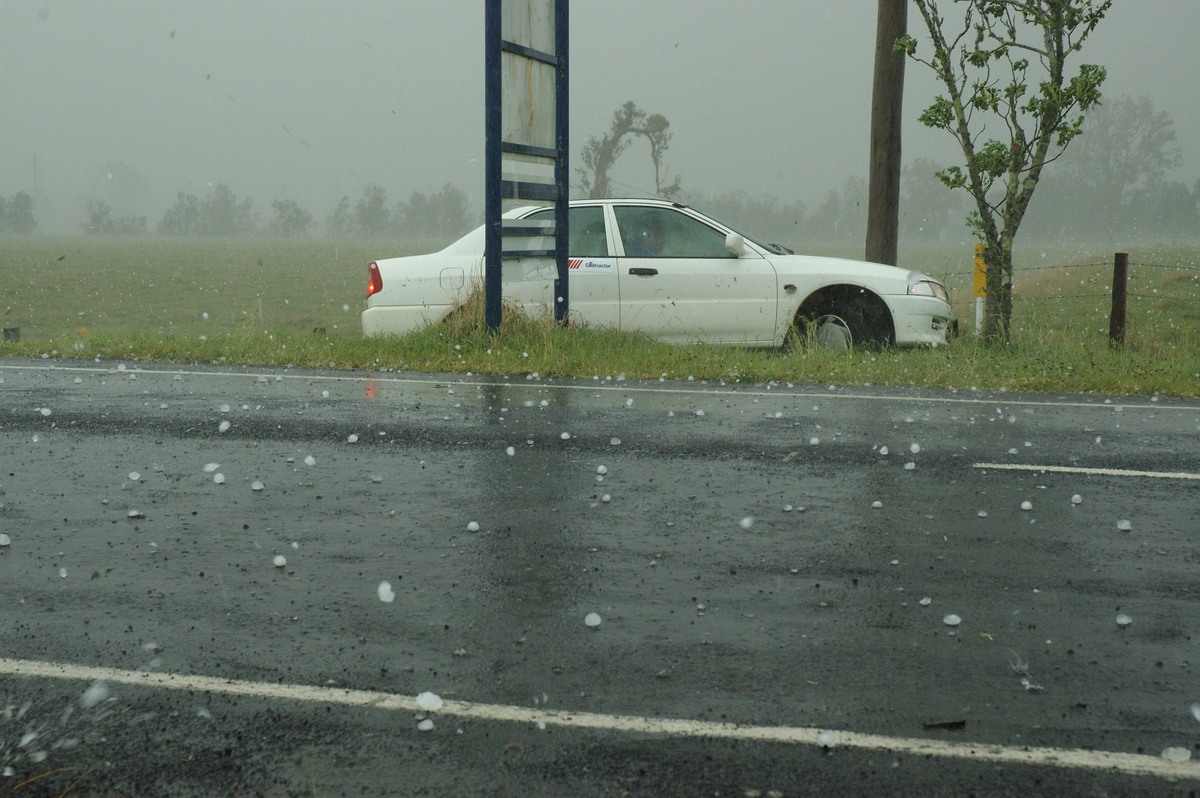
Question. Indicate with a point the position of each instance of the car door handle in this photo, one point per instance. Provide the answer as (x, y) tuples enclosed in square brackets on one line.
[(644, 272)]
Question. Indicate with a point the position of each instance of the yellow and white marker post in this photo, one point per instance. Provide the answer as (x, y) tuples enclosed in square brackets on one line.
[(980, 287)]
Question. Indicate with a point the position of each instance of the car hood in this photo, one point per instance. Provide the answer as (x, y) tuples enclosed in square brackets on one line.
[(847, 270)]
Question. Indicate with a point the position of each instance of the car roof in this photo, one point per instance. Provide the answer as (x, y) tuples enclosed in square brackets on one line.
[(575, 203)]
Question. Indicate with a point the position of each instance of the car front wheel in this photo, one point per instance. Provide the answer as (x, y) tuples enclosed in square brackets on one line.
[(838, 327)]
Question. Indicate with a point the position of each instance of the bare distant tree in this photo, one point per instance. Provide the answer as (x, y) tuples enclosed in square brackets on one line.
[(600, 154)]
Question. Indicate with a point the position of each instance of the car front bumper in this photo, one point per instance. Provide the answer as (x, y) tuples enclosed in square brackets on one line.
[(921, 320)]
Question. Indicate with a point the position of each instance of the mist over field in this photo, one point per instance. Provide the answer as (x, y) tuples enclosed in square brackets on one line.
[(273, 113)]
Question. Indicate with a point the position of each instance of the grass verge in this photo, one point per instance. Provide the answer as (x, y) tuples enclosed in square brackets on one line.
[(523, 347), (296, 303)]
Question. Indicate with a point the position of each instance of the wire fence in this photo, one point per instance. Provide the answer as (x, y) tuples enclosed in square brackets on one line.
[(1158, 296)]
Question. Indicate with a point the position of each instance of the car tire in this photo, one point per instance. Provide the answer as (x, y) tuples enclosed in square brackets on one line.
[(837, 327)]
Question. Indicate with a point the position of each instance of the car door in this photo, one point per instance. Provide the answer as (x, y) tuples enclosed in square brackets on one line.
[(594, 297), (678, 282)]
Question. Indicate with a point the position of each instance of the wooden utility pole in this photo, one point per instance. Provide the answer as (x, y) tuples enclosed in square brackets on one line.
[(883, 201)]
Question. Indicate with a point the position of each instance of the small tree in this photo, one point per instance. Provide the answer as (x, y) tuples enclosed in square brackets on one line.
[(16, 214), (1006, 64), (102, 222), (443, 214), (600, 154), (223, 214), (290, 219), (371, 215), (182, 218), (220, 214), (454, 211), (339, 223)]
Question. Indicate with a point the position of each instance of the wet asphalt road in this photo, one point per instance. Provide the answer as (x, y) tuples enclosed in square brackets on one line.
[(765, 556)]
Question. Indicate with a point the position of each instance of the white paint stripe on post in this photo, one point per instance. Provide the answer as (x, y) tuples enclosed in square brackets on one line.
[(1104, 472), (1131, 764)]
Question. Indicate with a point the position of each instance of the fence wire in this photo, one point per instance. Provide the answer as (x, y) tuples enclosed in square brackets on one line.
[(1175, 294)]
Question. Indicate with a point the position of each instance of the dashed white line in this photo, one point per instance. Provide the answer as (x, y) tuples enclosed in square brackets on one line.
[(1132, 764), (1104, 472)]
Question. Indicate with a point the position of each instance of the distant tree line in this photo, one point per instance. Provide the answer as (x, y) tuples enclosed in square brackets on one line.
[(1078, 202), (1116, 180), (1114, 185), (221, 213), (102, 222), (927, 211), (442, 214)]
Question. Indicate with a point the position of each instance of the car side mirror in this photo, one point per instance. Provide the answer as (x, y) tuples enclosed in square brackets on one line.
[(735, 244)]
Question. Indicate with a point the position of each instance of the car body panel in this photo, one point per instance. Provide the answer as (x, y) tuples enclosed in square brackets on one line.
[(691, 288)]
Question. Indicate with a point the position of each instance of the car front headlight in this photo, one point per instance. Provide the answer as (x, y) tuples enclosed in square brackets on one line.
[(924, 286)]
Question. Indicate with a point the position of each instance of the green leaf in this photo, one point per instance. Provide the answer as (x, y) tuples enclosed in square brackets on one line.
[(940, 114), (952, 177), (993, 159)]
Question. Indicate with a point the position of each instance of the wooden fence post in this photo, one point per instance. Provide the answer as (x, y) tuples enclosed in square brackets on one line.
[(1116, 319)]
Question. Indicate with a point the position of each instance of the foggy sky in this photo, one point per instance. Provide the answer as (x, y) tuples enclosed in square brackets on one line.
[(312, 100)]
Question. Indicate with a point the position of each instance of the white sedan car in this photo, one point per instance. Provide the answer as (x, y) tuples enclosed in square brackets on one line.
[(666, 270)]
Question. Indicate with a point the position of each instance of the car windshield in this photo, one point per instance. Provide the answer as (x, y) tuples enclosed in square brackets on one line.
[(775, 249)]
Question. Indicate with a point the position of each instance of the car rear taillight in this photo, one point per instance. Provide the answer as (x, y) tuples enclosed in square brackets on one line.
[(375, 280)]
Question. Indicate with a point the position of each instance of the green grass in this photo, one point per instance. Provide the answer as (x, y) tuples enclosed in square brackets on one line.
[(287, 302), (54, 286)]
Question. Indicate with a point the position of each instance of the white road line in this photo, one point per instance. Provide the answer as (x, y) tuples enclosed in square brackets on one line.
[(738, 390), (1132, 764), (1104, 472)]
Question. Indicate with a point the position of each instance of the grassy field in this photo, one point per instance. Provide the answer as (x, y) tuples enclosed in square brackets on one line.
[(280, 302), (56, 286)]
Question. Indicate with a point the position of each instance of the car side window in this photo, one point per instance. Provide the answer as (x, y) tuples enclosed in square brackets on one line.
[(651, 232), (586, 238)]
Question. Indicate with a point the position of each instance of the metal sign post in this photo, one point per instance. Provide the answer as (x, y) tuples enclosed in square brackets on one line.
[(526, 150)]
